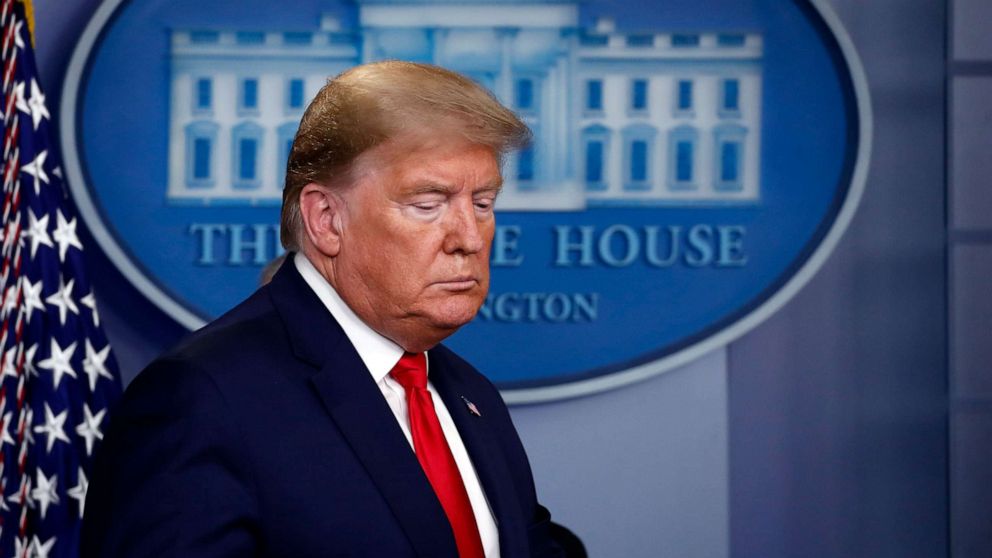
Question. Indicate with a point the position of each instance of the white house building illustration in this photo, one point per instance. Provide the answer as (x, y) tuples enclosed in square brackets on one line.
[(619, 118)]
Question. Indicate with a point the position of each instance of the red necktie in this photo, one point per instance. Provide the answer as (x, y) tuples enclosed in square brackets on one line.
[(435, 456)]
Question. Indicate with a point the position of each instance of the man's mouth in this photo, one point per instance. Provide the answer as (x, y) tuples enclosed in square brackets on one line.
[(458, 283)]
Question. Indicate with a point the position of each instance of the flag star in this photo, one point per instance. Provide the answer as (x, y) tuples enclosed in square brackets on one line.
[(45, 492), (95, 364), (38, 232), (36, 168), (18, 39), (32, 298), (9, 301), (22, 105), (89, 429), (54, 428), (59, 363), (21, 547), (29, 368), (37, 104), (65, 234), (5, 426), (9, 366), (39, 549), (63, 300), (78, 492), (90, 302)]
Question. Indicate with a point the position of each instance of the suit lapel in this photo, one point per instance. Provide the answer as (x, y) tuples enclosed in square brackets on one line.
[(487, 457), (366, 421), (361, 414)]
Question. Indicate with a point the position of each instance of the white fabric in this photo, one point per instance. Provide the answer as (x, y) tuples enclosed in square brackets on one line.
[(380, 355)]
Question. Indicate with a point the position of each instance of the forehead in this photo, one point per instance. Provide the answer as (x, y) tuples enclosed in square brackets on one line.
[(445, 158)]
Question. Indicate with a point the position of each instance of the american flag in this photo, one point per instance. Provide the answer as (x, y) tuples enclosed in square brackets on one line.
[(57, 375)]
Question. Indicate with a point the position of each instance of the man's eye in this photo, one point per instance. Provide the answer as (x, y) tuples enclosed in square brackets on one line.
[(484, 204), (427, 206)]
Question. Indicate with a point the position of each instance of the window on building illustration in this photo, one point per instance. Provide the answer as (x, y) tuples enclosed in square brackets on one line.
[(683, 161), (294, 96), (638, 140), (730, 153), (524, 95), (247, 155), (297, 38), (249, 94), (586, 39), (683, 96), (246, 159), (525, 164), (730, 40), (204, 37), (595, 139), (728, 140), (201, 139), (638, 161), (594, 95), (640, 40), (685, 40), (682, 143), (201, 159), (204, 94), (249, 37), (639, 95), (594, 162), (730, 98)]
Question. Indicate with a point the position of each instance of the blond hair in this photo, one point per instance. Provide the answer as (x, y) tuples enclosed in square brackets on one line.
[(369, 104)]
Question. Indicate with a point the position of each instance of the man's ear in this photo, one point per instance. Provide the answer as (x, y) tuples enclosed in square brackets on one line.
[(322, 210)]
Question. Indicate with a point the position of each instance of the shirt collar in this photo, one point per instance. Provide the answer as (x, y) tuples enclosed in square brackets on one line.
[(377, 352)]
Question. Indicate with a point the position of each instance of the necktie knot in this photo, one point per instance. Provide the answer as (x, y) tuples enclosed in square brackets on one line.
[(411, 371)]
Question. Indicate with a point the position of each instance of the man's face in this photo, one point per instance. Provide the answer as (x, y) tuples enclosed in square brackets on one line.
[(415, 236)]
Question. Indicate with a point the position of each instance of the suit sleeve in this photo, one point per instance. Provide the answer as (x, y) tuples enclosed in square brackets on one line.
[(172, 479)]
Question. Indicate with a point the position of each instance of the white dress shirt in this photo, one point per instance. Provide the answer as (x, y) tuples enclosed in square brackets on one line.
[(380, 355)]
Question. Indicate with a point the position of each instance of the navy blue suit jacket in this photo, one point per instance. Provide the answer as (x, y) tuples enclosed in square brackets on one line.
[(263, 434)]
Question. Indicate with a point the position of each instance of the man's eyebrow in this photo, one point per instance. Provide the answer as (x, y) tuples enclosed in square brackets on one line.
[(494, 186), (439, 188), (431, 188)]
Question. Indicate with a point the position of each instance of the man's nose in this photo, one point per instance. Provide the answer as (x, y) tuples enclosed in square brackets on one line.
[(464, 233)]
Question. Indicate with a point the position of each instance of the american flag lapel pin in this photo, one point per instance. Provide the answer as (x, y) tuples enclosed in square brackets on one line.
[(471, 407)]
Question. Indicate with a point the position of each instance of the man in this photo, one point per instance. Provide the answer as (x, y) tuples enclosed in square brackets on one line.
[(302, 423)]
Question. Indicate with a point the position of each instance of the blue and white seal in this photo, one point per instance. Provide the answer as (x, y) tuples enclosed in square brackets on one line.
[(694, 163)]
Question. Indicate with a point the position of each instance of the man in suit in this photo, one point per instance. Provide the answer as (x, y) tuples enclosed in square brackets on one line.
[(321, 417)]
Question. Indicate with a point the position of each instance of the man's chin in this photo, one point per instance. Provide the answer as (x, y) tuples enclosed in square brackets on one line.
[(452, 317), (451, 324)]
